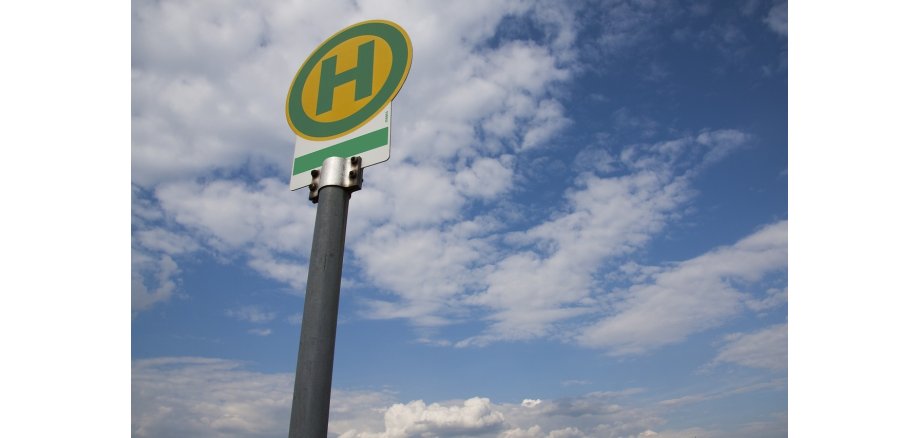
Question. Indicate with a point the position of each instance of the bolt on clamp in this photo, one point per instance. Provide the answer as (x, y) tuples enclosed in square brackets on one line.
[(337, 171)]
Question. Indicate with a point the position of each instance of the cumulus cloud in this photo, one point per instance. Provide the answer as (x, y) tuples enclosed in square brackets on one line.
[(688, 297), (486, 177), (474, 417), (208, 397), (428, 269), (477, 96), (766, 348), (208, 82), (206, 102), (530, 403), (208, 86), (586, 416)]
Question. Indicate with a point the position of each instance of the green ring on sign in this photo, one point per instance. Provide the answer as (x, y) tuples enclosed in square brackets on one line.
[(305, 126)]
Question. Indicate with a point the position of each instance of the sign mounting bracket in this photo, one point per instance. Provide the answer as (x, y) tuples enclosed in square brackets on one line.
[(337, 171)]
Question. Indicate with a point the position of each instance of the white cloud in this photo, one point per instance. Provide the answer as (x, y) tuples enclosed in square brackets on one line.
[(155, 272), (271, 226), (475, 417), (691, 154), (262, 223), (208, 88), (428, 268), (587, 416), (532, 279), (689, 297), (358, 410), (766, 348), (486, 177), (205, 397), (153, 279), (552, 277), (568, 432), (590, 415), (502, 91), (777, 19), (233, 214), (469, 106), (693, 432), (529, 403), (775, 297), (209, 83), (408, 234), (253, 314), (532, 432), (286, 267), (207, 99), (165, 241), (720, 393), (721, 143), (260, 331), (417, 195)]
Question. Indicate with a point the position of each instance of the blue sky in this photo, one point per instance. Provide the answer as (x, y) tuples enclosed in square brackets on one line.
[(581, 230)]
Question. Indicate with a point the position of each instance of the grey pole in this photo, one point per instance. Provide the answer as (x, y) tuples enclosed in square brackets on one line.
[(313, 378)]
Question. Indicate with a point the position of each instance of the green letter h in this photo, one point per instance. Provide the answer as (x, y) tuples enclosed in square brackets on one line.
[(362, 74)]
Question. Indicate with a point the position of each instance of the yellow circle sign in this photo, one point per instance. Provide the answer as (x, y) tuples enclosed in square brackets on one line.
[(348, 80)]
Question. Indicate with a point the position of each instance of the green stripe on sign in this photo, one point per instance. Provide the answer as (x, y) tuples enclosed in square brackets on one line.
[(344, 149)]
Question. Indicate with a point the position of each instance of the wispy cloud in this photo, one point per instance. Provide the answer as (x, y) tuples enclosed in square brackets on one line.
[(254, 314), (688, 297), (766, 348), (550, 275), (153, 279), (260, 331), (778, 17), (295, 319), (190, 396), (772, 384)]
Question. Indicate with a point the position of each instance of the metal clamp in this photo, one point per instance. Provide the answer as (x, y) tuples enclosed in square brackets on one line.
[(337, 171)]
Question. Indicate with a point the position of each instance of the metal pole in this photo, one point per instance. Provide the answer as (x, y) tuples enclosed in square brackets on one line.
[(313, 378)]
